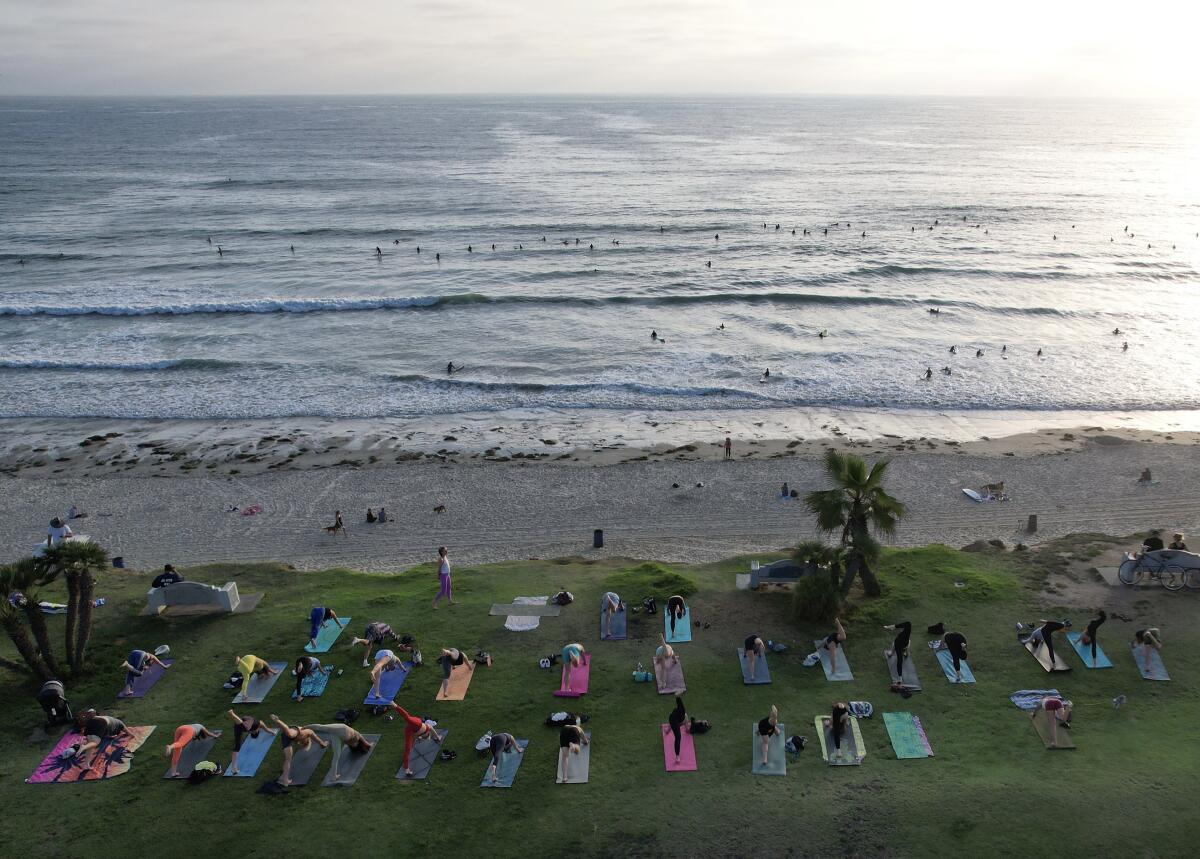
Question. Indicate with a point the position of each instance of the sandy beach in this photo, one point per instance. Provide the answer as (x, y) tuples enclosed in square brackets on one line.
[(158, 493)]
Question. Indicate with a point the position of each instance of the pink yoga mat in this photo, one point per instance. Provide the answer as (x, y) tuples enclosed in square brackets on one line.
[(687, 751), (579, 679)]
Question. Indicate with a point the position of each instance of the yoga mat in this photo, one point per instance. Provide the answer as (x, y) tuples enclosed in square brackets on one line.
[(520, 609), (669, 679), (193, 753), (579, 679), (506, 772), (619, 625), (251, 755), (256, 688), (305, 763), (776, 759), (1042, 654), (149, 677), (112, 758), (327, 635), (852, 743), (1085, 652), (460, 679), (1041, 723), (580, 764), (910, 679), (1157, 671), (687, 750), (389, 684), (314, 684), (947, 662), (422, 757), (683, 626), (843, 672), (762, 674), (352, 764), (907, 736)]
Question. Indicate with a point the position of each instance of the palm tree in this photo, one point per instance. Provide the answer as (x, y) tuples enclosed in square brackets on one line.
[(13, 620), (78, 564), (858, 506), (816, 552), (28, 576)]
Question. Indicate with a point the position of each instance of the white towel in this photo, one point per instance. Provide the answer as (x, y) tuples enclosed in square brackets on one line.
[(518, 623)]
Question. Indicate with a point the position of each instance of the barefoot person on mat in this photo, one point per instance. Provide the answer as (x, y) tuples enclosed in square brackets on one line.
[(414, 729), (377, 634), (317, 618), (1059, 712), (571, 739), (664, 654), (837, 722), (955, 643), (675, 724), (768, 728), (572, 657), (610, 604), (900, 645), (289, 737), (451, 658), (184, 734), (501, 743), (753, 647), (676, 609), (832, 644), (244, 726), (1148, 640), (342, 735), (135, 666), (307, 666), (1089, 635)]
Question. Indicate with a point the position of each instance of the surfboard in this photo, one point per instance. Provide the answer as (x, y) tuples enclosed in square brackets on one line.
[(972, 494)]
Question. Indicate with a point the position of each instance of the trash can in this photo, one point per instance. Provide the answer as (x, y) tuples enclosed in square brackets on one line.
[(118, 562), (598, 538)]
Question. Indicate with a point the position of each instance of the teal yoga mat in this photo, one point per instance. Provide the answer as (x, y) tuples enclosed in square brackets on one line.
[(683, 627), (314, 684), (1085, 652), (762, 674), (907, 736), (776, 758), (327, 635), (510, 762), (947, 663), (251, 755)]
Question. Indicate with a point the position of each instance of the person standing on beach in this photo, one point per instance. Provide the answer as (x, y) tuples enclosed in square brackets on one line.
[(728, 448), (443, 578)]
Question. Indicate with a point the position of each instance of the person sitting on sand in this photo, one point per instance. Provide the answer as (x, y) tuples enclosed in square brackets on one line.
[(57, 532), (382, 514), (371, 517), (993, 491), (1146, 478)]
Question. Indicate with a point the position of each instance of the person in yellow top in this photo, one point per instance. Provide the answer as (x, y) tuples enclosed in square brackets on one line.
[(251, 666)]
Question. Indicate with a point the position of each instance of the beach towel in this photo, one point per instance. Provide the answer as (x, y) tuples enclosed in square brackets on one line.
[(1085, 652), (523, 623), (683, 627), (1027, 699), (255, 690), (389, 684), (1041, 653), (580, 764), (149, 677), (762, 674), (579, 679), (907, 736), (327, 635), (1041, 724), (687, 750), (422, 757), (113, 758), (313, 686), (843, 672), (776, 759), (669, 678), (909, 679), (506, 772), (947, 662), (852, 743), (1157, 671), (251, 755)]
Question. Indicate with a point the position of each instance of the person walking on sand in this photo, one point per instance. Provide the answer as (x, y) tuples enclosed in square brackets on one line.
[(443, 577), (728, 447)]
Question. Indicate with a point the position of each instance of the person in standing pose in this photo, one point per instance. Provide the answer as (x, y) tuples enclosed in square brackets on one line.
[(444, 577)]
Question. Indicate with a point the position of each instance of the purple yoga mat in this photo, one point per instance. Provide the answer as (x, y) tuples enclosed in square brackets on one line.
[(143, 684)]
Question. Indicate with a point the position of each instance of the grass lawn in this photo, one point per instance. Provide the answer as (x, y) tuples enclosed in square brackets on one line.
[(992, 788)]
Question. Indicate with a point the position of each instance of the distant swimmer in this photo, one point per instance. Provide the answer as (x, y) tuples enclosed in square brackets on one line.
[(864, 235), (418, 248), (210, 240), (543, 238), (935, 311), (1116, 332), (721, 327), (395, 241), (577, 241), (20, 262), (946, 371), (1039, 353), (935, 222), (1055, 238), (928, 373), (653, 335), (978, 353), (826, 232), (451, 369), (717, 237), (1003, 349), (437, 257), (767, 373), (822, 333), (220, 252), (806, 231), (493, 245), (591, 247), (470, 249), (378, 252), (953, 350), (292, 248), (1125, 346), (793, 232), (1127, 228), (660, 229), (912, 229), (709, 263)]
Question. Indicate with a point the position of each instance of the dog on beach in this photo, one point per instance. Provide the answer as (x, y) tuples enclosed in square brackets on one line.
[(441, 508)]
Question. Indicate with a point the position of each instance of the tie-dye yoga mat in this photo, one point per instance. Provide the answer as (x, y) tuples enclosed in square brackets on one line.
[(112, 758)]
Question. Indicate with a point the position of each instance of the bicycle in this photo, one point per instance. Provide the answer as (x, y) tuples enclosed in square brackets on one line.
[(1171, 576)]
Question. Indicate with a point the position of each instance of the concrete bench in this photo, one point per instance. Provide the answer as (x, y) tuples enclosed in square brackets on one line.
[(783, 571), (193, 598)]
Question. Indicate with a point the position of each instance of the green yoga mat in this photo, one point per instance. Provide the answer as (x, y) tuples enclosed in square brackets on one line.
[(776, 758), (328, 634), (907, 736)]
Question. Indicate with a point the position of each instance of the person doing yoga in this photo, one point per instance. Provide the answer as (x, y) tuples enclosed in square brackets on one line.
[(251, 666), (571, 739), (501, 744), (676, 609), (832, 644), (95, 730), (1044, 633), (184, 734), (955, 643), (291, 736), (342, 735), (135, 666), (572, 657), (1059, 711), (1089, 634), (307, 666), (244, 726), (385, 660), (375, 635), (900, 645), (610, 605), (1148, 640), (450, 659), (414, 729), (317, 618), (664, 653), (753, 647), (837, 722), (767, 728), (676, 723)]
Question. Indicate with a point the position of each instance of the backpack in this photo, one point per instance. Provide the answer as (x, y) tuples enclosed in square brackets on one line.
[(861, 709), (234, 681), (417, 659), (563, 598), (650, 605), (348, 715), (701, 726), (795, 745)]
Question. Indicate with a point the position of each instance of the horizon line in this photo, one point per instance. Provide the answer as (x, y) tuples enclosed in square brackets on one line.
[(612, 95)]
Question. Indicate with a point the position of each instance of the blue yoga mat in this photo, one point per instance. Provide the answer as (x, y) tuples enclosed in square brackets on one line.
[(683, 627), (252, 754), (1085, 652), (947, 663), (314, 684), (506, 772), (389, 685), (327, 635), (618, 626)]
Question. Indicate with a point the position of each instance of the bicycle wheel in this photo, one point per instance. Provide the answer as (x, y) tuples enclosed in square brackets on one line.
[(1130, 572), (1191, 579), (1172, 577)]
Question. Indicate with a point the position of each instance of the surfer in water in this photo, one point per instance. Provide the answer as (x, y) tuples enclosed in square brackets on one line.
[(946, 371), (451, 369), (953, 350), (766, 374), (653, 335), (928, 373), (822, 333)]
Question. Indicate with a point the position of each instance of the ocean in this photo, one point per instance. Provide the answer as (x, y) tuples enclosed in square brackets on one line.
[(216, 258)]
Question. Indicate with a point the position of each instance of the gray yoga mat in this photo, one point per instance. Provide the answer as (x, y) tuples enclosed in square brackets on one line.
[(421, 760), (669, 679), (776, 757), (305, 763), (506, 772), (910, 679), (256, 688), (843, 672), (762, 674), (851, 752), (193, 753), (352, 764), (580, 764)]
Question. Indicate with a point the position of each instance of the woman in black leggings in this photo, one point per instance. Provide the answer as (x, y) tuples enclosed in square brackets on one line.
[(675, 610), (956, 644), (839, 720), (501, 743), (675, 722), (900, 645), (450, 659), (1045, 633), (1089, 634)]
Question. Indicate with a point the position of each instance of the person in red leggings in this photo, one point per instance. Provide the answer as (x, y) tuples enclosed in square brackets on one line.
[(414, 729)]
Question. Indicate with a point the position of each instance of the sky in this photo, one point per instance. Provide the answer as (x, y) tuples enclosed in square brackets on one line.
[(1135, 48)]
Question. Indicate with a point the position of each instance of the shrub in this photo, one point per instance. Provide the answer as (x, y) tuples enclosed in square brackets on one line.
[(650, 580), (815, 599)]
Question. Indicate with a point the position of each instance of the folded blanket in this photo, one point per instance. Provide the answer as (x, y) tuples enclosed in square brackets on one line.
[(1027, 699)]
